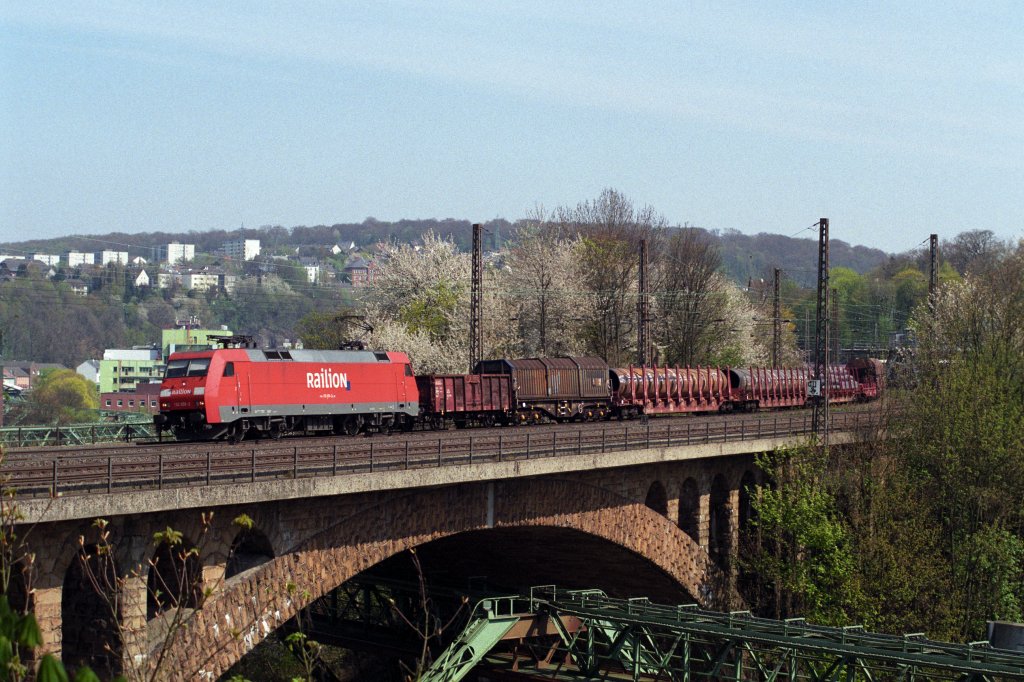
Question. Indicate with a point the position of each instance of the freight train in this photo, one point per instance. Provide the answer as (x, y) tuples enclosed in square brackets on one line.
[(231, 393)]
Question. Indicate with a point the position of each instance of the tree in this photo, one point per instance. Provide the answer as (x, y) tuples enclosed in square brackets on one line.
[(611, 228), (542, 277), (964, 444), (931, 513), (60, 396), (972, 250), (327, 330), (805, 563), (687, 300), (420, 303)]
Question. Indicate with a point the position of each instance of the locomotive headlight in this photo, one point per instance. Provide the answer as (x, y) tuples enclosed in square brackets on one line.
[(164, 406), (201, 403)]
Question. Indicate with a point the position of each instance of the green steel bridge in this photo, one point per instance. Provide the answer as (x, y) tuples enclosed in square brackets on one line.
[(132, 428), (586, 635)]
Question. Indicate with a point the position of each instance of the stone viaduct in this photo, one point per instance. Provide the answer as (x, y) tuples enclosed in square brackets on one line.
[(660, 522)]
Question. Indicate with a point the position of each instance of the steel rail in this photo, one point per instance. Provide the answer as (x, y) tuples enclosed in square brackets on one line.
[(142, 446)]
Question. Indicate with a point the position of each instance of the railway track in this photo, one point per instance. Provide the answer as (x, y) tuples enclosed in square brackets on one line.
[(53, 473), (148, 447)]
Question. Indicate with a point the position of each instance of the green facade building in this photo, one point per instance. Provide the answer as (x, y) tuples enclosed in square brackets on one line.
[(185, 337), (122, 369)]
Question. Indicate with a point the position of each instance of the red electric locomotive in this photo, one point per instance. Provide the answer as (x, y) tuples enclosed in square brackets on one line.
[(229, 392)]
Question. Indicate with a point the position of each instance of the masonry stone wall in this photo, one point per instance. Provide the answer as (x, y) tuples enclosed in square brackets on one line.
[(319, 543)]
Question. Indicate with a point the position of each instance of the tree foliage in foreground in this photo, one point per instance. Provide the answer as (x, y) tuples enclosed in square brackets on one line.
[(807, 560), (933, 513)]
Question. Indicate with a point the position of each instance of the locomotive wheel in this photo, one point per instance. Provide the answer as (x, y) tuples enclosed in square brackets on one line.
[(407, 424), (351, 425)]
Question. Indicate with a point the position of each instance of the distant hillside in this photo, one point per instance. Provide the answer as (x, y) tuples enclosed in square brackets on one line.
[(743, 256), (366, 233), (751, 256)]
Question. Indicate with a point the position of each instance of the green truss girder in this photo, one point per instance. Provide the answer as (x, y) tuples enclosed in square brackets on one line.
[(76, 434), (639, 640), (479, 637)]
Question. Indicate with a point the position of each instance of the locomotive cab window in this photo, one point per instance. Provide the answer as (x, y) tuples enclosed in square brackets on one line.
[(176, 368), (197, 368), (187, 368), (229, 369), (408, 370)]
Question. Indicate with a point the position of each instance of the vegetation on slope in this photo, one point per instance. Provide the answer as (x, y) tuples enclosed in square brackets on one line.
[(924, 531)]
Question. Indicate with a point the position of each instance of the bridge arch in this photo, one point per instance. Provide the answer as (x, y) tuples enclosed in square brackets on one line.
[(247, 609), (89, 634), (657, 498), (747, 490), (689, 508), (250, 548), (719, 530)]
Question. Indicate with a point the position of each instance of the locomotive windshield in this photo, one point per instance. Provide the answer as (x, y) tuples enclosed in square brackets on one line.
[(187, 368)]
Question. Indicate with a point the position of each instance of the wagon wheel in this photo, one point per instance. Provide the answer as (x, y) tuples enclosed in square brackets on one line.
[(487, 420), (437, 423)]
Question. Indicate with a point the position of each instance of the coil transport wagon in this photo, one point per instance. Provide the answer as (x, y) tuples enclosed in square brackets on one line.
[(561, 389)]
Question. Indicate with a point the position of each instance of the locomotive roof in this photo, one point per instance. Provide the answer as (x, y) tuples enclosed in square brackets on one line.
[(285, 354), (319, 355)]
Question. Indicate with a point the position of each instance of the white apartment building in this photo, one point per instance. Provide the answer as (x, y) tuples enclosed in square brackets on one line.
[(47, 258), (76, 258), (242, 249), (107, 257), (177, 253), (165, 280), (202, 281)]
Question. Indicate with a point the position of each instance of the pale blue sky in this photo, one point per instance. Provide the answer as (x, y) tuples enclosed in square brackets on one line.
[(892, 119)]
